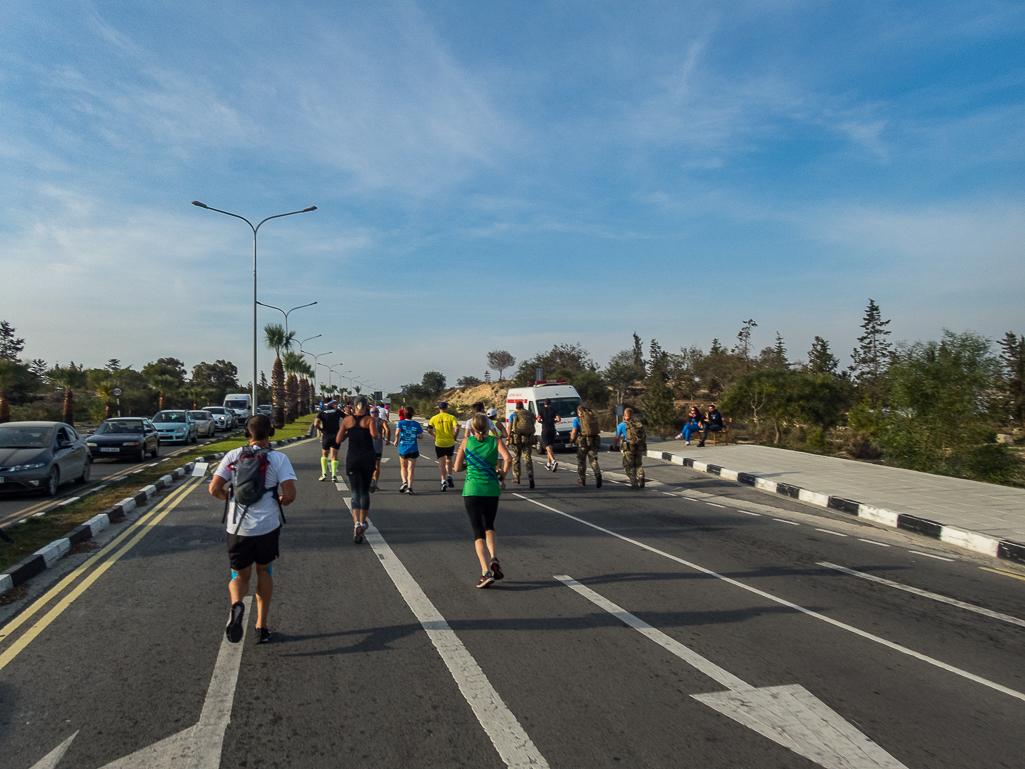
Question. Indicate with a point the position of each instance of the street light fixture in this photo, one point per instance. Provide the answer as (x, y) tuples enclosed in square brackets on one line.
[(304, 341), (255, 229), (315, 361), (286, 314)]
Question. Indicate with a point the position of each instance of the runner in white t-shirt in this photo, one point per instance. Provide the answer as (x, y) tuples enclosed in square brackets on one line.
[(253, 536)]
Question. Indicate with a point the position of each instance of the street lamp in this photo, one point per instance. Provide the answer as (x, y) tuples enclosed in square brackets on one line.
[(304, 341), (254, 229), (286, 314), (315, 361)]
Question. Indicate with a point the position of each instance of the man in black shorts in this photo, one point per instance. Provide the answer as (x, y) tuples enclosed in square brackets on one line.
[(547, 416), (328, 420), (253, 531)]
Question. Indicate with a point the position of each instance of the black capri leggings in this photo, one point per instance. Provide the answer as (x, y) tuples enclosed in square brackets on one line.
[(359, 483), (482, 512)]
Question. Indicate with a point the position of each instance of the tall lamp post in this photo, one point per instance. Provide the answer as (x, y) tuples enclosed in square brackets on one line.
[(286, 314), (315, 364), (255, 229)]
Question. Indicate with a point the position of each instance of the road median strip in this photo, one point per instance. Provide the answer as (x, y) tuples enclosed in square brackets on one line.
[(1004, 549), (46, 556)]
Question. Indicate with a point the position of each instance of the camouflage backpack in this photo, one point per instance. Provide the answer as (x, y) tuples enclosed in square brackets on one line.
[(590, 432), (523, 426), (636, 435)]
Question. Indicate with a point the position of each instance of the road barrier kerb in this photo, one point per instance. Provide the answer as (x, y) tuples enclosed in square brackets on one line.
[(43, 558), (977, 542)]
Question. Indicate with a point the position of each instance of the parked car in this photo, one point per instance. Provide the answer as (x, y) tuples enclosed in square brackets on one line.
[(41, 456), (131, 437), (266, 409), (206, 425), (225, 419), (176, 426)]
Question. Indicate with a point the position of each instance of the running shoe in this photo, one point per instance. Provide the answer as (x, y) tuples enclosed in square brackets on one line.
[(323, 477), (335, 479), (409, 489), (373, 486), (444, 485), (265, 635), (555, 466), (403, 487), (496, 570), (686, 443), (548, 465), (597, 481), (235, 626), (357, 534), (486, 579), (451, 483), (532, 481), (501, 484)]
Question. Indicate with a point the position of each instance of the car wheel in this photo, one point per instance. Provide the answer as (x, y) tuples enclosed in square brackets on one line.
[(156, 451), (142, 454), (86, 472), (53, 482)]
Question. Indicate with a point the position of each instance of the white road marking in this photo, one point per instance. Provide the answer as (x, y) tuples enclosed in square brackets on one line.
[(873, 542), (200, 745), (748, 512), (341, 486), (796, 607), (788, 523), (514, 746), (713, 504), (930, 555), (788, 715), (385, 459), (834, 533), (926, 594)]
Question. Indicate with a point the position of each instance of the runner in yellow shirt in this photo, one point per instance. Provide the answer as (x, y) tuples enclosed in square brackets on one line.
[(445, 429)]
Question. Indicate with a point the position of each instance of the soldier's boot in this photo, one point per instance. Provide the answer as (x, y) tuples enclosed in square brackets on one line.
[(582, 480), (597, 480), (530, 478), (640, 477)]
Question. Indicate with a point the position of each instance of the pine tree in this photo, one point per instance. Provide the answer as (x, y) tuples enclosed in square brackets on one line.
[(872, 356), (820, 359), (743, 347), (1013, 360), (639, 354), (11, 346), (658, 360), (659, 411)]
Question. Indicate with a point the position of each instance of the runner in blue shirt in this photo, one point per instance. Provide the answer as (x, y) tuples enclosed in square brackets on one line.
[(408, 432)]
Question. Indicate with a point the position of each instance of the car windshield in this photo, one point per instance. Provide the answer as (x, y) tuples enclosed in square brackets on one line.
[(199, 415), (21, 437), (564, 407), (215, 410), (236, 405), (107, 428), (169, 416)]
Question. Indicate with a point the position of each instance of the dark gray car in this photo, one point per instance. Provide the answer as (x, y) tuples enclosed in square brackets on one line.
[(41, 456), (131, 437)]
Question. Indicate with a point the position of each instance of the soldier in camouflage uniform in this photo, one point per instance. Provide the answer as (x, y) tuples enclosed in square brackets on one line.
[(522, 444), (587, 438), (631, 438)]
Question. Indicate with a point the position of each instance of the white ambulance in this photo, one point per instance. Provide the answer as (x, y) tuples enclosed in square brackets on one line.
[(564, 398)]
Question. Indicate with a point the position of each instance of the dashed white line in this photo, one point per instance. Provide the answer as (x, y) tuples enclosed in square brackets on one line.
[(873, 542), (926, 594), (930, 555), (513, 744), (834, 533), (748, 512), (713, 504), (788, 523)]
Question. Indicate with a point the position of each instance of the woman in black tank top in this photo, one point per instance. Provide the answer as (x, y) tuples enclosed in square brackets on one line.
[(360, 429)]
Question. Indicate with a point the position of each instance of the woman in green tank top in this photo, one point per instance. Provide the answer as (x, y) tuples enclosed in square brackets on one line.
[(478, 455)]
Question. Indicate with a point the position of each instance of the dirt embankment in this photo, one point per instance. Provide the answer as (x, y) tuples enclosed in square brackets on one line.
[(491, 394)]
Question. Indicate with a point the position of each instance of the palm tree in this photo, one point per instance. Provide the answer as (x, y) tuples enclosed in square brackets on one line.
[(105, 389), (278, 340), (69, 378), (166, 386), (291, 363)]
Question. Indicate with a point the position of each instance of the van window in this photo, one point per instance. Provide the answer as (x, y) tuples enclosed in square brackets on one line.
[(565, 407)]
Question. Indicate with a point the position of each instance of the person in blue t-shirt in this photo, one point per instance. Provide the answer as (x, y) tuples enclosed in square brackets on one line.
[(408, 432)]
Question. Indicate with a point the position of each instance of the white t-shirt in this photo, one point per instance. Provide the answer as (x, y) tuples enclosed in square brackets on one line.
[(469, 425), (264, 516)]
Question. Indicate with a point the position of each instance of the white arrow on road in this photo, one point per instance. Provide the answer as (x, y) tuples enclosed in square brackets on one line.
[(788, 715), (199, 746)]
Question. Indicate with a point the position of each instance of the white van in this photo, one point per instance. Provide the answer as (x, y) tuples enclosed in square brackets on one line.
[(565, 400), (241, 404)]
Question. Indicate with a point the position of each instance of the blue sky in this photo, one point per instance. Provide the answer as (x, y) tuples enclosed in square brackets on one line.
[(506, 175)]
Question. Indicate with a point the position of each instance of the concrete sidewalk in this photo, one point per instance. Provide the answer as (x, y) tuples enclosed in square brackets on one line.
[(980, 516)]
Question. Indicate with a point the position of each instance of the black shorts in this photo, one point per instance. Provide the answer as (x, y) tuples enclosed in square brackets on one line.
[(410, 455), (548, 439), (245, 551), (444, 451), (329, 442), (378, 454)]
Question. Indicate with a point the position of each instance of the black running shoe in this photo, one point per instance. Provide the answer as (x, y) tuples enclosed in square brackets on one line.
[(486, 579), (496, 570), (451, 483), (265, 635), (357, 534), (597, 481), (532, 481), (236, 624)]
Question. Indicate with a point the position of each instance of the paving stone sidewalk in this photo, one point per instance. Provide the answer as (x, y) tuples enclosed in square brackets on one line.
[(997, 511)]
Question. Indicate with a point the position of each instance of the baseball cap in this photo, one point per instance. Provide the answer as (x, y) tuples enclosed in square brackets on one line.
[(492, 413), (443, 404)]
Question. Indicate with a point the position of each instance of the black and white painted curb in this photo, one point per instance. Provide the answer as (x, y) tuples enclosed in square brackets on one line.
[(953, 535), (45, 557)]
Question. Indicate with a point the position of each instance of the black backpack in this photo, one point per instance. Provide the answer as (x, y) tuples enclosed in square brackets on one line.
[(250, 482)]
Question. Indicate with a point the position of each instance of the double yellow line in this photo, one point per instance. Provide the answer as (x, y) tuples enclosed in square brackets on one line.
[(93, 569)]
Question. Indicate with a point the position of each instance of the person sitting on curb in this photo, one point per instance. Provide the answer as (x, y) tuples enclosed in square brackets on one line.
[(693, 425), (713, 423)]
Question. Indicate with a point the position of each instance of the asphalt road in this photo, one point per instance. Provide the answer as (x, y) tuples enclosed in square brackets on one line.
[(619, 610), (18, 505)]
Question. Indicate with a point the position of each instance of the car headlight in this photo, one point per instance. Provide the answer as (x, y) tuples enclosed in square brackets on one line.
[(34, 466), (90, 443)]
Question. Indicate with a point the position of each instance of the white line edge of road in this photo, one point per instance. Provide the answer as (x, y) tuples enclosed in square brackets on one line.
[(514, 746), (925, 594), (783, 602)]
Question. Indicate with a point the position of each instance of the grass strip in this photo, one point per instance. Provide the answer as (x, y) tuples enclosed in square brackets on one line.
[(36, 533)]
